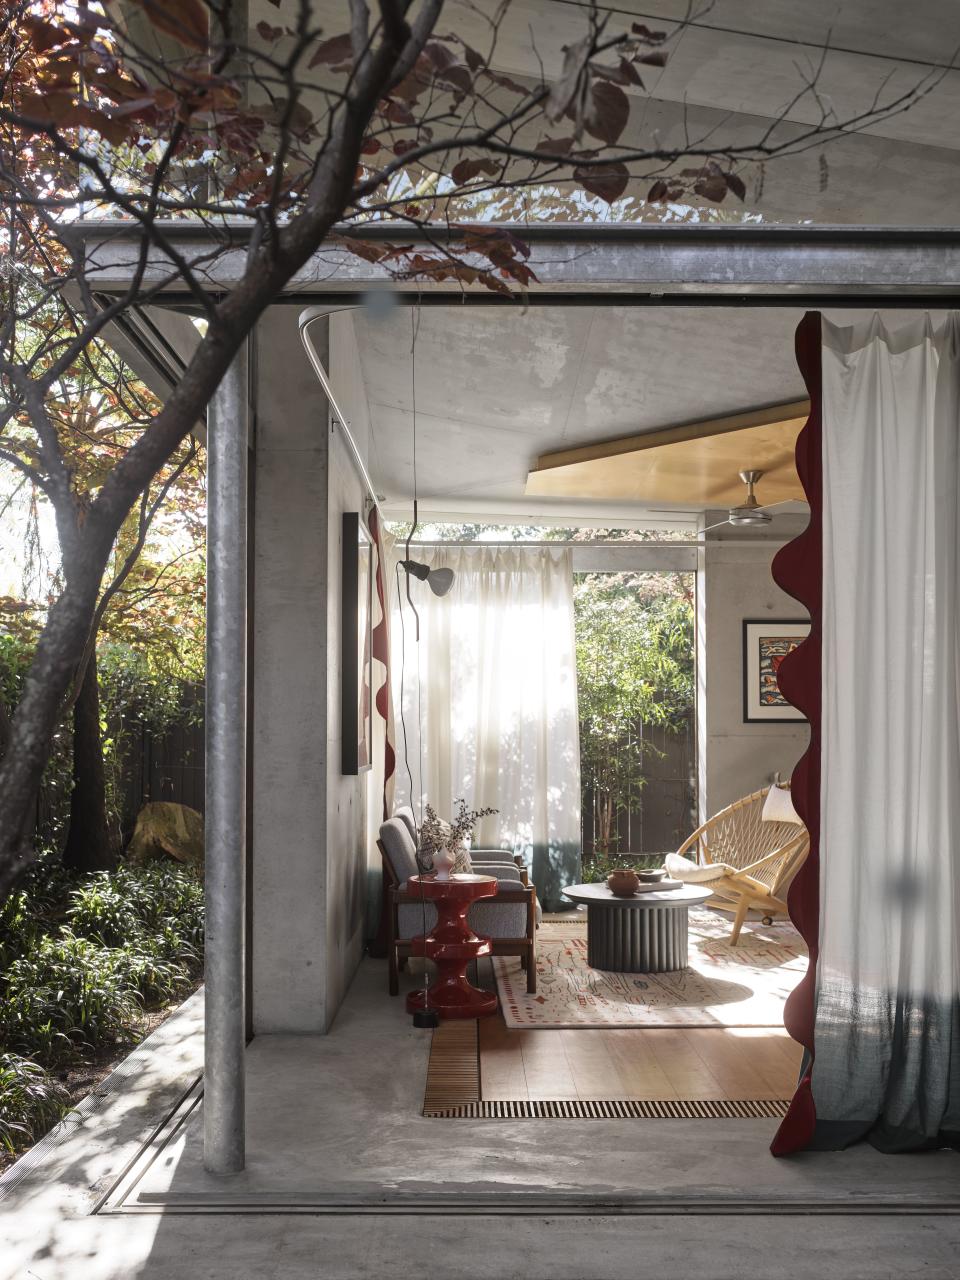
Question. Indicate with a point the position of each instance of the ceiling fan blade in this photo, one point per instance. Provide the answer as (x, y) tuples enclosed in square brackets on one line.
[(718, 525), (784, 502)]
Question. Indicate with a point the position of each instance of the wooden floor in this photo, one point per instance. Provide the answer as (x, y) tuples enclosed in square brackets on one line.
[(661, 1063)]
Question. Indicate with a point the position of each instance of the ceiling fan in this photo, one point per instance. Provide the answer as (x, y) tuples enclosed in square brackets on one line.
[(750, 514)]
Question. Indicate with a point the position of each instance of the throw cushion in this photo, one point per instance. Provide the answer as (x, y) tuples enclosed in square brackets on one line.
[(778, 807), (462, 865), (681, 868)]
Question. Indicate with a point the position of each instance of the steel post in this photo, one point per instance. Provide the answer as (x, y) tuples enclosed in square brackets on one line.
[(226, 733)]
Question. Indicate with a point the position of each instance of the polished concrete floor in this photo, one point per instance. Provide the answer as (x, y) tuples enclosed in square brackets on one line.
[(336, 1119)]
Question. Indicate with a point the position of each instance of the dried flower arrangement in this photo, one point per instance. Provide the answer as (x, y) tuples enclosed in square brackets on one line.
[(436, 834)]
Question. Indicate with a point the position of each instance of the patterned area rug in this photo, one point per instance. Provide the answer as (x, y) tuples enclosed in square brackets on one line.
[(725, 986)]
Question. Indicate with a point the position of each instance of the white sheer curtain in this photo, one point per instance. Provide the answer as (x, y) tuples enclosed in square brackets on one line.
[(489, 701), (887, 1031)]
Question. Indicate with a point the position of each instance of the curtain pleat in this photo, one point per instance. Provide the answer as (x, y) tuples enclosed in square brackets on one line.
[(488, 702), (887, 1029)]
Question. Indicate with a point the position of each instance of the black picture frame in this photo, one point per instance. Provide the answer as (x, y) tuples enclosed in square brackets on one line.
[(765, 639), (356, 646)]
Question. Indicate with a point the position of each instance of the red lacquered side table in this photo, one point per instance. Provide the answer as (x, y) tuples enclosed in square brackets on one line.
[(451, 945)]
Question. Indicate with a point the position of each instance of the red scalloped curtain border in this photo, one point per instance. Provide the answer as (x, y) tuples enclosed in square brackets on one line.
[(798, 570), (381, 651)]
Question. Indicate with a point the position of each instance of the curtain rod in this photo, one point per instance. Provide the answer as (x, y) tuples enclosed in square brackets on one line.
[(686, 544), (306, 319)]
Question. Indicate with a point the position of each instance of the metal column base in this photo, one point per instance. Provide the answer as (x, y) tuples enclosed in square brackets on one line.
[(639, 940)]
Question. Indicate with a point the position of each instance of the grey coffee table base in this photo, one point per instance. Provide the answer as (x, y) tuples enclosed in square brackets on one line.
[(652, 940)]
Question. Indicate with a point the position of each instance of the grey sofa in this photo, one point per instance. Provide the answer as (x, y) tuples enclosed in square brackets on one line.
[(509, 920)]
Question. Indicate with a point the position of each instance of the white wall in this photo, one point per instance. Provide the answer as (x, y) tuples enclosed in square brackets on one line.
[(734, 582), (308, 820)]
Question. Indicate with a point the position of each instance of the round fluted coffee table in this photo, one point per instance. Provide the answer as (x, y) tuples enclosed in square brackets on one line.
[(643, 934)]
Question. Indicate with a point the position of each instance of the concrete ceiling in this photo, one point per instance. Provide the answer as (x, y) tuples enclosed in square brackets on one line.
[(738, 67), (495, 388)]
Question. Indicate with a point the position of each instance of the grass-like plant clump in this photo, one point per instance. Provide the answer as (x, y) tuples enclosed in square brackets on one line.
[(83, 959), (31, 1100)]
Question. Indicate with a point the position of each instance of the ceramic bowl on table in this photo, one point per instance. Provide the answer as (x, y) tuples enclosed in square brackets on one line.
[(653, 875)]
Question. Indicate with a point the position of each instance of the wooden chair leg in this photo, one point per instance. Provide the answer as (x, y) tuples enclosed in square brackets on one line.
[(393, 970), (531, 972), (743, 906)]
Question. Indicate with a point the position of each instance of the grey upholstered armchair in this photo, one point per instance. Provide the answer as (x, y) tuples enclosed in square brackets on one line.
[(509, 920)]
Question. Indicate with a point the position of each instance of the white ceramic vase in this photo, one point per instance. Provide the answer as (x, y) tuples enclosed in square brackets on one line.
[(443, 863)]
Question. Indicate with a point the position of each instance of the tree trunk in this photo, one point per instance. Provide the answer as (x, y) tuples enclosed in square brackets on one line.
[(88, 847)]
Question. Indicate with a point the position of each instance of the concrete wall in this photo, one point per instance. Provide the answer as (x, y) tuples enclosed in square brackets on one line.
[(734, 582), (307, 894)]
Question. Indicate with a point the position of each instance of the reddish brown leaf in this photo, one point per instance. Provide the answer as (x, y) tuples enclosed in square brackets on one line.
[(712, 187), (736, 184), (608, 181), (185, 20), (439, 55), (268, 33), (336, 50), (370, 147), (412, 210), (117, 88), (555, 146), (630, 72), (657, 193), (458, 76), (465, 170), (474, 61), (652, 37), (656, 59), (43, 35), (608, 112), (403, 146), (397, 113)]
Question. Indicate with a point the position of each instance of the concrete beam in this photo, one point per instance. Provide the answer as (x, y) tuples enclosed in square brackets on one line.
[(897, 265)]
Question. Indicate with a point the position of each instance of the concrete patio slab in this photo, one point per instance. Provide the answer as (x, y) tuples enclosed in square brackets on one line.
[(338, 1116)]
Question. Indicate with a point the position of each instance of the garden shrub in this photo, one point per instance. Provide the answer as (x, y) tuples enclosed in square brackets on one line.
[(81, 957), (31, 1101), (65, 993)]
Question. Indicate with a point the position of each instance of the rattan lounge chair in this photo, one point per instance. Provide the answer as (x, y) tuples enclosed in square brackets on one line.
[(753, 859)]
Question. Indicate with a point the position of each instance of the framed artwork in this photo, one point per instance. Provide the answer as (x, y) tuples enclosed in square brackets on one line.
[(766, 642), (356, 650)]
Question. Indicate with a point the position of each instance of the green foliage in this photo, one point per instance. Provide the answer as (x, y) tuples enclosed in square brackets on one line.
[(634, 667), (137, 694), (66, 993), (599, 867), (81, 956), (157, 901), (36, 908), (31, 1101)]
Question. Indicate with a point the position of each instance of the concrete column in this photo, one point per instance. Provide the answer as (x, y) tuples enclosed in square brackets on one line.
[(226, 730)]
